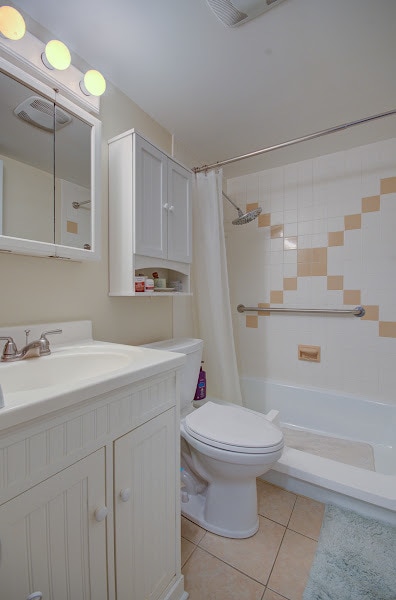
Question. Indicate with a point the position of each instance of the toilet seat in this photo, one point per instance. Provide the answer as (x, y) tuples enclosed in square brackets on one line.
[(233, 428)]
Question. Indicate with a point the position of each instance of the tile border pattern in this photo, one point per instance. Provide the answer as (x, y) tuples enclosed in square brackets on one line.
[(312, 262)]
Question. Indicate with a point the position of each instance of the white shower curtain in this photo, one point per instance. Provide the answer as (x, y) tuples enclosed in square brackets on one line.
[(211, 298)]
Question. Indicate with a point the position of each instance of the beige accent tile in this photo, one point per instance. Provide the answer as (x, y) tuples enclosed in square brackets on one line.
[(353, 221), (311, 261), (264, 220), (304, 269), (388, 185), (251, 206), (290, 243), (71, 227), (290, 283), (335, 238), (263, 313), (192, 532), (187, 548), (276, 296), (319, 255), (208, 578), (335, 282), (252, 321), (387, 329), (319, 269), (276, 231), (291, 570), (274, 503), (352, 297), (372, 313), (254, 556), (304, 255), (307, 517), (370, 204)]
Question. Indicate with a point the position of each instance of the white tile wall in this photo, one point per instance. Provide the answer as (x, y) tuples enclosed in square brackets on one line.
[(310, 199)]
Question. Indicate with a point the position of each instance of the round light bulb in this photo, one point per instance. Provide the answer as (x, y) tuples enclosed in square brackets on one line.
[(93, 84), (56, 55), (12, 24)]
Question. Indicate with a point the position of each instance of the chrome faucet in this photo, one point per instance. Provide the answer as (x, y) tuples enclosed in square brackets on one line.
[(36, 348)]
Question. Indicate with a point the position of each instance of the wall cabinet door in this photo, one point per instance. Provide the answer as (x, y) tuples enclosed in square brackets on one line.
[(179, 213), (50, 539), (144, 507), (150, 207), (162, 205)]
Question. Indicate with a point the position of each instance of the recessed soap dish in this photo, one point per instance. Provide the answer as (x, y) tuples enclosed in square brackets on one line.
[(310, 353)]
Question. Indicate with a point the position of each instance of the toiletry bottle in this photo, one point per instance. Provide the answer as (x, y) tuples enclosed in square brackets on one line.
[(149, 285), (200, 392)]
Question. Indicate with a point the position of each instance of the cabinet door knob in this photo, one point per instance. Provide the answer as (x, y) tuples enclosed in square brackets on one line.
[(35, 596), (101, 513), (125, 494), (166, 206), (172, 209)]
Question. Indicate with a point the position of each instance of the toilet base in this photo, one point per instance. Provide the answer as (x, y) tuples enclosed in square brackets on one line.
[(194, 511)]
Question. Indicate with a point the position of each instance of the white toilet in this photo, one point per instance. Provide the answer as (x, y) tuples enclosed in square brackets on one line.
[(224, 448)]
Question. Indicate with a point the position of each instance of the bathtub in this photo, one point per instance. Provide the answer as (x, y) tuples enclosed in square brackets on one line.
[(366, 423)]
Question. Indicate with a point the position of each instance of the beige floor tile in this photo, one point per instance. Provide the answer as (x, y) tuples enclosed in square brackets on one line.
[(292, 566), (274, 503), (307, 517), (253, 556), (187, 548), (192, 532), (208, 578), (270, 595)]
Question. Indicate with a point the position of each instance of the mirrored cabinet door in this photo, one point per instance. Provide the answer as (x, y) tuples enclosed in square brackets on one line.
[(49, 171), (27, 155)]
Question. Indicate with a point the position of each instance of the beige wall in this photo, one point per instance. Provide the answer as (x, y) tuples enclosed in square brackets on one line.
[(35, 290)]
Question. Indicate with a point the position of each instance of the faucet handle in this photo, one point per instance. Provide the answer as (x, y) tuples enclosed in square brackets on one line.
[(10, 348), (44, 343)]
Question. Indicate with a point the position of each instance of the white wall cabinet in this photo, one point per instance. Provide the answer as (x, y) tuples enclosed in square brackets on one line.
[(89, 498), (149, 214)]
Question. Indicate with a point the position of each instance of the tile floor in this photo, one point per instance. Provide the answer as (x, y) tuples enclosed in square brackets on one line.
[(273, 564)]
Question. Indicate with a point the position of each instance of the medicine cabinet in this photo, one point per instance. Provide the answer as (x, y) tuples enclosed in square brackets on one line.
[(149, 216), (49, 171)]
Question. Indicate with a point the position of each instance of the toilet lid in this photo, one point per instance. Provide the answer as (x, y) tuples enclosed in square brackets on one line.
[(233, 428)]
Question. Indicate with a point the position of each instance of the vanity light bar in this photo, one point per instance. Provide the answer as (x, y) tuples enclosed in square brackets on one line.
[(28, 52)]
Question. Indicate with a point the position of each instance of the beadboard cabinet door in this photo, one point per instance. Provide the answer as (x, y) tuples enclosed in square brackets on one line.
[(151, 208), (179, 213), (144, 509), (50, 540)]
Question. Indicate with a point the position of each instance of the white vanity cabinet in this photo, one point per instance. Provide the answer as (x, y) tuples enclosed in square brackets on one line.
[(50, 539), (149, 214), (144, 483), (89, 498)]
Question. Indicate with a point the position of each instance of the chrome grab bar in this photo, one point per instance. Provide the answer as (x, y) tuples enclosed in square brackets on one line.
[(358, 311)]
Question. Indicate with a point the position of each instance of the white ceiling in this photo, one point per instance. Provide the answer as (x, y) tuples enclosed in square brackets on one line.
[(303, 66)]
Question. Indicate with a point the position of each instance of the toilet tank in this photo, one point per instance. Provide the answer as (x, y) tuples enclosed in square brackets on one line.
[(192, 348)]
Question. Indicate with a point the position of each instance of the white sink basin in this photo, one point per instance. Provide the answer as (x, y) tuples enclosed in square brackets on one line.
[(78, 369), (32, 387), (63, 367)]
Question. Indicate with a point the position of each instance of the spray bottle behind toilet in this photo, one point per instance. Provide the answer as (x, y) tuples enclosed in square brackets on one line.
[(200, 392)]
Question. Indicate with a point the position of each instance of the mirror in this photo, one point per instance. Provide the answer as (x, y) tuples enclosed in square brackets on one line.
[(49, 158)]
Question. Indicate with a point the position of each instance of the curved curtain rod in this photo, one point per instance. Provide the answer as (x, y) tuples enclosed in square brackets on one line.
[(310, 136)]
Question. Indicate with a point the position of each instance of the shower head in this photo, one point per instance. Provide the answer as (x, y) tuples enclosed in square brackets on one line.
[(243, 217)]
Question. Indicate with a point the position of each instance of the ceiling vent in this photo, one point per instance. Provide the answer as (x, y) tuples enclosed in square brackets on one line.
[(236, 12), (40, 112)]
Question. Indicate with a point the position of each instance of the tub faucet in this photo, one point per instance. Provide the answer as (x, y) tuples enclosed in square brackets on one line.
[(36, 348)]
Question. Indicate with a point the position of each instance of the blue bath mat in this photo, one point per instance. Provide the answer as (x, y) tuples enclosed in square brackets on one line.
[(355, 559)]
